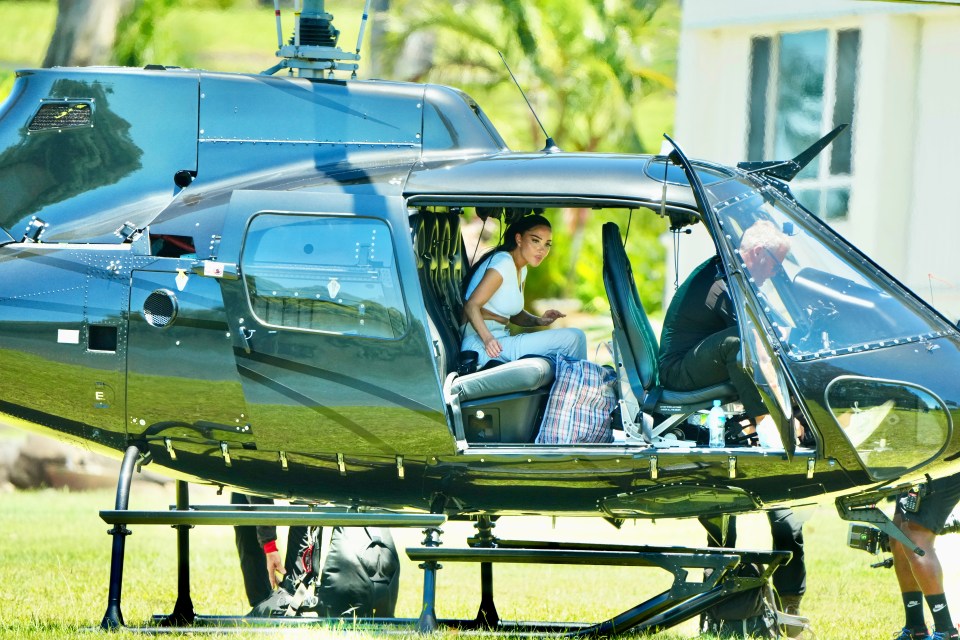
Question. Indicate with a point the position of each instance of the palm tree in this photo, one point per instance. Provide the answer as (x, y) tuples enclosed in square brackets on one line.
[(85, 31), (586, 65)]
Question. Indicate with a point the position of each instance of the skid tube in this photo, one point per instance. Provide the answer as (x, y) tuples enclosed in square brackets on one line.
[(683, 600)]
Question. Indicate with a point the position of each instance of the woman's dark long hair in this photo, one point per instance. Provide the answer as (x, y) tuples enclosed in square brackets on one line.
[(508, 243)]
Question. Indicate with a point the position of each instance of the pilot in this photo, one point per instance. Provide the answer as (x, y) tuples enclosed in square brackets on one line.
[(700, 347), (700, 342), (921, 577), (494, 297)]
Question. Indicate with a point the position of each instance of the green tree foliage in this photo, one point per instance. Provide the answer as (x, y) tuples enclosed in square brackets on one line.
[(588, 67), (137, 41), (134, 45)]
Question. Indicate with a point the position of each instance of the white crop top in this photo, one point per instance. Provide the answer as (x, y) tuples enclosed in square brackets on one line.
[(506, 301)]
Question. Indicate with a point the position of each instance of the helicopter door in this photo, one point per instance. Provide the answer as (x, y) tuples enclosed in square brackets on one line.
[(865, 358), (761, 358), (332, 355), (758, 353)]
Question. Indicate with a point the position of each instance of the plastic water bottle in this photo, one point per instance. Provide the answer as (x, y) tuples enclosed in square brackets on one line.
[(716, 420)]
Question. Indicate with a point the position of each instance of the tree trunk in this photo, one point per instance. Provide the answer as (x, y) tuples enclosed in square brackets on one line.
[(85, 32)]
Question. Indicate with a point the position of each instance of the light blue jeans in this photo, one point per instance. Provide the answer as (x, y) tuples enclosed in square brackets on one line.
[(549, 342)]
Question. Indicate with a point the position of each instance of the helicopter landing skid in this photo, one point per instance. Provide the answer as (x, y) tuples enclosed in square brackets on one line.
[(682, 601)]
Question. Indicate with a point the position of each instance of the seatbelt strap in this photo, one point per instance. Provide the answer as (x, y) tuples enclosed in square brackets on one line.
[(651, 398)]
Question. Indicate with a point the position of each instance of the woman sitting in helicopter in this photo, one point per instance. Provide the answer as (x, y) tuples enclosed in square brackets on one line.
[(494, 297)]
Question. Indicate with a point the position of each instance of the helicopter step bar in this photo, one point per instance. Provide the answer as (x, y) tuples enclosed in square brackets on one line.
[(683, 600), (185, 516)]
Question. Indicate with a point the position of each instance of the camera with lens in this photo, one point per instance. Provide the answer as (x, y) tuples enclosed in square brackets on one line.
[(867, 538)]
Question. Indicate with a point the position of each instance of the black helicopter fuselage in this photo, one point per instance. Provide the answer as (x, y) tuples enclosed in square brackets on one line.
[(256, 280)]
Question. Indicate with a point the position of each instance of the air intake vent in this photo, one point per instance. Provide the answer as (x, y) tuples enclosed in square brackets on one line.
[(160, 308), (65, 114)]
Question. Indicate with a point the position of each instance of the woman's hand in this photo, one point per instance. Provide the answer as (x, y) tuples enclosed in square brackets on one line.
[(549, 316), (492, 346)]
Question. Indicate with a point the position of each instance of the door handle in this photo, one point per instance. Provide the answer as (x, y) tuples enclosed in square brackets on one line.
[(245, 336)]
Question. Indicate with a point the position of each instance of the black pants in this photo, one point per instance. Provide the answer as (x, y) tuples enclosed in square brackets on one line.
[(253, 564), (789, 579), (714, 360)]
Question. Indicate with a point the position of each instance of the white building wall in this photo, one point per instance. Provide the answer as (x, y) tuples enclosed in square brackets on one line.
[(883, 134), (933, 259), (906, 133)]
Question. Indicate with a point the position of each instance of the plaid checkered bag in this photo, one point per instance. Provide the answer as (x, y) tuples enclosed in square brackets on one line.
[(581, 401)]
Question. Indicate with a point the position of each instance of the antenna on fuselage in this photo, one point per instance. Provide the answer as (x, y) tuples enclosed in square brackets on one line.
[(550, 146), (313, 48), (363, 28)]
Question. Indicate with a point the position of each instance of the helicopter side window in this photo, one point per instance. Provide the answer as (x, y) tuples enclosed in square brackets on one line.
[(894, 426), (327, 274)]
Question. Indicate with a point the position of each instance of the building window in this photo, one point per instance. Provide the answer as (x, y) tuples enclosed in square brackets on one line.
[(802, 85), (316, 273)]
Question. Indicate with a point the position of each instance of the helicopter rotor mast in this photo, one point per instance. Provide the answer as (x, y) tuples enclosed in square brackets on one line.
[(313, 49)]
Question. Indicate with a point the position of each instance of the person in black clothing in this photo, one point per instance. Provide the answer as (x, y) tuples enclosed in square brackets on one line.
[(700, 342), (786, 529), (700, 347), (260, 561)]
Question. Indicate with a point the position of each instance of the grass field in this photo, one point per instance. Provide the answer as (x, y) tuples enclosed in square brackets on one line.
[(55, 556)]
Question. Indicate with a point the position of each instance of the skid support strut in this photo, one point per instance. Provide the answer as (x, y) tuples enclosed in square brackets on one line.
[(113, 618), (686, 597), (427, 622), (487, 616), (183, 612)]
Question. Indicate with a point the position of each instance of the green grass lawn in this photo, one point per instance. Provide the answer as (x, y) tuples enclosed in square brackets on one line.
[(55, 558)]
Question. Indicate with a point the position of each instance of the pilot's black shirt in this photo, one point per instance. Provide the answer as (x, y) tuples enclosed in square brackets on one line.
[(700, 308)]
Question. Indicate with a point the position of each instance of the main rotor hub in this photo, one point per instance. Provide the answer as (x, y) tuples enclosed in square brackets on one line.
[(312, 50), (317, 31)]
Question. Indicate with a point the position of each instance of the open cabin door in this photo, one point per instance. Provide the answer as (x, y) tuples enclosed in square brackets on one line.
[(871, 364), (759, 348), (332, 355)]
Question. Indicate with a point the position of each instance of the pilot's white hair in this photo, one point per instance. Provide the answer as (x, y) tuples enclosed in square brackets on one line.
[(765, 234)]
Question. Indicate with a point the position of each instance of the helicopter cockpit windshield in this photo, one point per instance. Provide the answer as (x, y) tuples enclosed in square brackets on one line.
[(820, 298), (819, 305)]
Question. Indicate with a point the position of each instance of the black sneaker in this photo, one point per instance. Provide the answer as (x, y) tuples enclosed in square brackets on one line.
[(276, 605), (912, 634), (282, 603), (945, 635)]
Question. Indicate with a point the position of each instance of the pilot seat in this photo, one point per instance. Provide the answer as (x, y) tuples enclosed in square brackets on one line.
[(636, 350)]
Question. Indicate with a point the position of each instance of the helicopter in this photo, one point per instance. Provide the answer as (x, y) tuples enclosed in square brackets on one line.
[(273, 304)]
